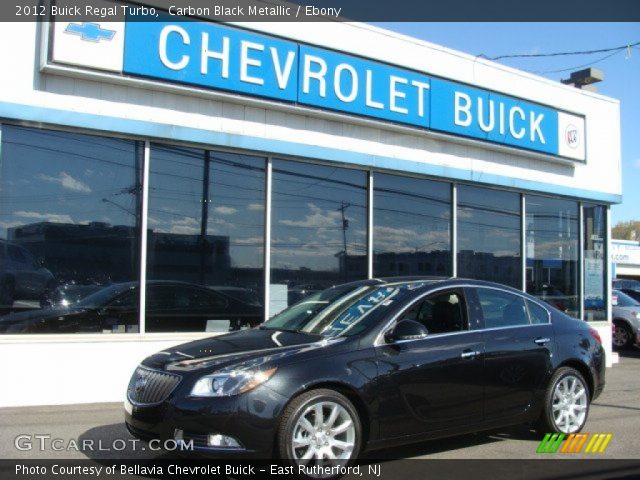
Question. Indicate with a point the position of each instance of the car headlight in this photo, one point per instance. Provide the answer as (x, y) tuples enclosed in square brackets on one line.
[(234, 382)]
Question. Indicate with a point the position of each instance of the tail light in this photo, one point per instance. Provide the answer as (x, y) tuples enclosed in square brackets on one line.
[(595, 335)]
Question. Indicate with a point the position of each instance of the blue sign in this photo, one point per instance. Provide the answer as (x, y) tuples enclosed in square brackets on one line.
[(212, 56), (486, 115), (350, 84), (215, 56)]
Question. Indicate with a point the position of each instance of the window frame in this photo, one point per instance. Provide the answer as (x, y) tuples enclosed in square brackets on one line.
[(145, 141), (525, 298), (461, 289)]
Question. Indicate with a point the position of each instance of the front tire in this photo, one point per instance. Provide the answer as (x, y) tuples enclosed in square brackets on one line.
[(319, 428), (566, 403)]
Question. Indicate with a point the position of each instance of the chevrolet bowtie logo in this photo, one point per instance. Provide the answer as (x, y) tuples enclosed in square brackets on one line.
[(89, 31)]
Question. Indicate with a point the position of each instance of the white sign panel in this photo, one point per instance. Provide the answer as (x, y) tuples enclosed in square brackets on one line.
[(571, 138), (87, 44)]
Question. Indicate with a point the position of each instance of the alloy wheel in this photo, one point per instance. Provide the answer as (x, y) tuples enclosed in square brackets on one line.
[(569, 404), (620, 336), (324, 434)]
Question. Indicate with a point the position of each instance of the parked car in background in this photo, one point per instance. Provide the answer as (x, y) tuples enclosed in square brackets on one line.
[(369, 365), (170, 307), (635, 294), (627, 284), (626, 320), (22, 276)]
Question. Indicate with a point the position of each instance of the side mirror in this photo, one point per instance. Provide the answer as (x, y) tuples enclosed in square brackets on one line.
[(406, 330)]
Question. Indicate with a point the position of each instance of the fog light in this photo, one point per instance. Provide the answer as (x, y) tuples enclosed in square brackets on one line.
[(218, 440)]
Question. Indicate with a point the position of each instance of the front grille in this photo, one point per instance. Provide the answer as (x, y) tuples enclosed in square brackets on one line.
[(148, 387)]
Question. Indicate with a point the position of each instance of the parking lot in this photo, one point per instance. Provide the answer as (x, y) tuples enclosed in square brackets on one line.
[(616, 411)]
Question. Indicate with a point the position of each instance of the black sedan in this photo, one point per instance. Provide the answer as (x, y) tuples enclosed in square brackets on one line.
[(368, 365)]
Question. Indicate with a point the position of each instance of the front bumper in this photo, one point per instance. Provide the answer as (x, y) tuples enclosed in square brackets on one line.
[(250, 418)]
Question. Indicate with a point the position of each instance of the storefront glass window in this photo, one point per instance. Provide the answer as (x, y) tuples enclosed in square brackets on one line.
[(411, 226), (489, 235), (205, 254), (69, 232), (552, 251), (595, 237), (318, 230)]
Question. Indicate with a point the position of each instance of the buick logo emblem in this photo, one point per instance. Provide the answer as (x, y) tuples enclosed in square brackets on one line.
[(571, 136), (140, 385)]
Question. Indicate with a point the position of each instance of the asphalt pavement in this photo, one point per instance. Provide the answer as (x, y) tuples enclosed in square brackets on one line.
[(616, 411)]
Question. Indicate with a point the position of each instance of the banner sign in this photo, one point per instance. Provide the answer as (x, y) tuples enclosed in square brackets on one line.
[(219, 57)]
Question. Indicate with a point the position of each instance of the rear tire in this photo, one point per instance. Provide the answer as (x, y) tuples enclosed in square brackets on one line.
[(623, 336), (319, 427), (566, 403)]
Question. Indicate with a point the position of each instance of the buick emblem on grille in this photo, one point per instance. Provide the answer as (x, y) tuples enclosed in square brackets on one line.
[(148, 387), (140, 384)]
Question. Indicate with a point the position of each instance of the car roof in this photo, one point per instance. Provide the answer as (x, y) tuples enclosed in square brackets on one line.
[(433, 280)]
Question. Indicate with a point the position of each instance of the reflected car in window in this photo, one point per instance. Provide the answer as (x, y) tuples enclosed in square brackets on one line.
[(69, 294), (372, 364), (554, 296), (22, 276), (170, 307)]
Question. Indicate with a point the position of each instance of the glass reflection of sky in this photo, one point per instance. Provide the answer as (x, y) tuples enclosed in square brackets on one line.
[(410, 214), (307, 227), (59, 177), (235, 198)]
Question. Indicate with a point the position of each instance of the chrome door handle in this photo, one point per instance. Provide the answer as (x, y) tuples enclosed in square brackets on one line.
[(469, 354), (542, 341)]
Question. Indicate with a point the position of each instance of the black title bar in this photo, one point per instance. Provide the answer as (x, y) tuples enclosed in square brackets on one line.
[(325, 10)]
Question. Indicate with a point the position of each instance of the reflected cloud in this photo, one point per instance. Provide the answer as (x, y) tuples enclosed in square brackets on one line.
[(225, 210), (49, 217), (318, 218), (402, 240), (67, 181)]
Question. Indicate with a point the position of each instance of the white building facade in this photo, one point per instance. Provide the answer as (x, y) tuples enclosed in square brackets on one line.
[(625, 259), (165, 181)]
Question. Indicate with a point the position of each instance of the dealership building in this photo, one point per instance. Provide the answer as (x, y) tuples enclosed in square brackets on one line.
[(166, 181), (625, 259)]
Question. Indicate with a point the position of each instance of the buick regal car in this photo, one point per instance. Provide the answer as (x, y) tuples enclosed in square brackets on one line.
[(372, 364)]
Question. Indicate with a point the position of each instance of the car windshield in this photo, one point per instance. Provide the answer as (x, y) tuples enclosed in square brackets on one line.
[(621, 299), (104, 296), (344, 310)]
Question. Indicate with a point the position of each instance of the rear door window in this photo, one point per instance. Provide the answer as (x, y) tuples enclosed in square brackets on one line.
[(502, 309), (538, 314)]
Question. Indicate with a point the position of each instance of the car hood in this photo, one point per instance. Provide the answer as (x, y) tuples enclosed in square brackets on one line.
[(247, 347), (626, 312)]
